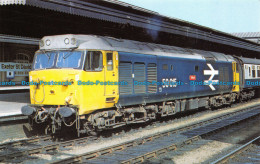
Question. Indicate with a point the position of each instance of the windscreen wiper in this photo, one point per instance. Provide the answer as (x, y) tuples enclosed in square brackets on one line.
[(67, 55), (49, 57)]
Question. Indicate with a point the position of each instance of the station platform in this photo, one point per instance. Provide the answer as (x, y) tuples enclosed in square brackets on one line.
[(11, 103), (9, 88)]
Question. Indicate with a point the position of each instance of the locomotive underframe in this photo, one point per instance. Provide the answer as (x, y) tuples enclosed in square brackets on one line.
[(120, 116)]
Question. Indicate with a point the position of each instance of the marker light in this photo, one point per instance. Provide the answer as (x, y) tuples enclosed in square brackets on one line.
[(41, 43), (48, 42), (66, 41), (73, 41)]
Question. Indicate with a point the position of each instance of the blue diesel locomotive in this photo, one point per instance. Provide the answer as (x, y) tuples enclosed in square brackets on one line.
[(113, 82)]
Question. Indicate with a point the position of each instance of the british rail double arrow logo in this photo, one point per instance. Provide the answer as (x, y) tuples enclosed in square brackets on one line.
[(212, 72)]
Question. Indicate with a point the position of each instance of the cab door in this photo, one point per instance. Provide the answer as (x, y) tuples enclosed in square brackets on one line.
[(235, 77), (111, 75)]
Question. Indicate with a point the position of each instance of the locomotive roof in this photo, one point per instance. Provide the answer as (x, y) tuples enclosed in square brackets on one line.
[(93, 42)]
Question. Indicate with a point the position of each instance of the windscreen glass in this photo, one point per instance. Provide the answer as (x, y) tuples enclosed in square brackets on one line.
[(58, 59), (69, 59), (43, 61)]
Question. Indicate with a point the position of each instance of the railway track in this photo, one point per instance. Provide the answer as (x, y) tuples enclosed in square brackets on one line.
[(247, 150), (13, 119), (153, 146), (19, 150)]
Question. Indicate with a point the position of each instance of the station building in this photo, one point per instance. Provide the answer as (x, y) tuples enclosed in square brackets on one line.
[(16, 56)]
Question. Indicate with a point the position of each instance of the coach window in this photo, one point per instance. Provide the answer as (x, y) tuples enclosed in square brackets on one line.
[(109, 61), (253, 71), (93, 61), (258, 71), (249, 68)]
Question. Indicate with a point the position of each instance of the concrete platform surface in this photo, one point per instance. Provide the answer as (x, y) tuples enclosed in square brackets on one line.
[(11, 103)]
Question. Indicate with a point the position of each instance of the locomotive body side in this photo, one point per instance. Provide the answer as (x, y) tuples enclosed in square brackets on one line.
[(171, 78)]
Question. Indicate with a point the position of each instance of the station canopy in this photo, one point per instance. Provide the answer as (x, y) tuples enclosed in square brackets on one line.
[(38, 18)]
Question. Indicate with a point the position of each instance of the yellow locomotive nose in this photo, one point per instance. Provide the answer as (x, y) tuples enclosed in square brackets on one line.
[(61, 91), (75, 78)]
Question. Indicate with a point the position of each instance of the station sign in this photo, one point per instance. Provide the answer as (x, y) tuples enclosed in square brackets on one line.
[(9, 66), (18, 69)]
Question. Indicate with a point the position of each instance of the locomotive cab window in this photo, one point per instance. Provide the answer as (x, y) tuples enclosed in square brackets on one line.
[(110, 61), (93, 61), (69, 59), (44, 60), (58, 59)]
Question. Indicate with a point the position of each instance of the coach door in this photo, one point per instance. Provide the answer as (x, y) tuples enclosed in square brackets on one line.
[(235, 77), (111, 75)]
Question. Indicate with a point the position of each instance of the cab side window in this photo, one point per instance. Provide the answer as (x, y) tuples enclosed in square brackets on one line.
[(110, 61), (93, 61)]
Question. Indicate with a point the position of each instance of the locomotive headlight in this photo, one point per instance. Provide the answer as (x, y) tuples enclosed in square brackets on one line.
[(48, 42), (73, 41), (41, 43), (66, 41)]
